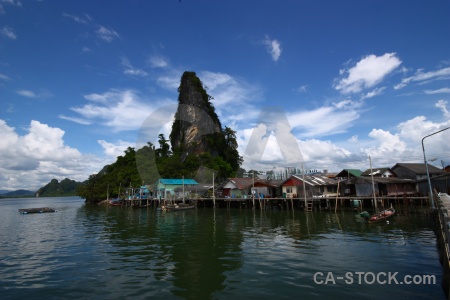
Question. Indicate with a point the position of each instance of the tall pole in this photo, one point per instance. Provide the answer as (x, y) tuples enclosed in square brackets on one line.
[(373, 184), (253, 188), (183, 188), (304, 185), (426, 165)]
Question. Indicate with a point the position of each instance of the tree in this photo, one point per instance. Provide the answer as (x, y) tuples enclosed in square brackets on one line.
[(164, 148)]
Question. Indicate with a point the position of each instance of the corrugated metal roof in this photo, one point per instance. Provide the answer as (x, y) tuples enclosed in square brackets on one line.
[(315, 180), (420, 168), (241, 183), (178, 181)]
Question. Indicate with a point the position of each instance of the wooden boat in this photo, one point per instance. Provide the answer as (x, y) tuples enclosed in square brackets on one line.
[(38, 210), (115, 202), (175, 207), (378, 217)]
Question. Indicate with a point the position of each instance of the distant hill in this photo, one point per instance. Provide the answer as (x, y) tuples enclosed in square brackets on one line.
[(66, 187), (18, 193)]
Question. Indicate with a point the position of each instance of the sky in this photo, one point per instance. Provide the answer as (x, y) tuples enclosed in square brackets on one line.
[(322, 84)]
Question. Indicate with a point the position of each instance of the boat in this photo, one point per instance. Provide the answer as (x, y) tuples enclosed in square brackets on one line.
[(175, 207), (378, 217), (115, 202), (382, 215), (37, 210)]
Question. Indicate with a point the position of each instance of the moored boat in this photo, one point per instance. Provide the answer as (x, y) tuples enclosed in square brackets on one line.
[(378, 217)]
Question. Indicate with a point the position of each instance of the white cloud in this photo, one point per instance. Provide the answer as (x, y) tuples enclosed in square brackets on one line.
[(13, 2), (422, 77), (4, 77), (30, 94), (83, 19), (373, 93), (8, 32), (33, 159), (438, 91), (108, 35), (26, 93), (326, 120), (302, 89), (368, 72), (442, 104), (171, 80), (353, 139), (157, 61), (273, 47), (115, 150), (234, 98), (130, 70), (75, 120), (118, 109)]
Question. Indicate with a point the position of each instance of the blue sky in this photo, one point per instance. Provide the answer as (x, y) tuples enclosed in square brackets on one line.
[(78, 79)]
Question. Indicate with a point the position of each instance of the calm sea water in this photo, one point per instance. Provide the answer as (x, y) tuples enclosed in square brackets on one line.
[(87, 251)]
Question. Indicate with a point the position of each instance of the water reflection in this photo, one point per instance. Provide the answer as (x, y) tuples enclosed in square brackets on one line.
[(114, 252)]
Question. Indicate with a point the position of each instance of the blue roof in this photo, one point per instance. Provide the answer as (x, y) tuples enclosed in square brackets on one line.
[(178, 181)]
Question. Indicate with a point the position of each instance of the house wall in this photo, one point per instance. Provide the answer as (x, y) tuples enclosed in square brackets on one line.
[(365, 190), (404, 173), (395, 189), (441, 185)]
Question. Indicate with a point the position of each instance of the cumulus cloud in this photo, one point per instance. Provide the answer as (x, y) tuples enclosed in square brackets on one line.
[(273, 47), (368, 72), (422, 77), (119, 110), (33, 159), (107, 35)]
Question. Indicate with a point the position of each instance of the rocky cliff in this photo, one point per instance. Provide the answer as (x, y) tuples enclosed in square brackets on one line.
[(196, 128)]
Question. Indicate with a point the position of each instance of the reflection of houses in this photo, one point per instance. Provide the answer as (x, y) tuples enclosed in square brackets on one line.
[(242, 188), (165, 188), (315, 185)]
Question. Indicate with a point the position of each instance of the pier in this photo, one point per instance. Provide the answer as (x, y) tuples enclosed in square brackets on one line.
[(308, 204), (442, 228)]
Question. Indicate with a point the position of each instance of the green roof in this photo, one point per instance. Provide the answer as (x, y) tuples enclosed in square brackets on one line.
[(352, 172), (177, 181)]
